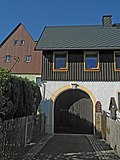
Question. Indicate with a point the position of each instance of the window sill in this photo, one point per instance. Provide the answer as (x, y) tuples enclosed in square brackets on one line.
[(117, 70), (7, 61), (92, 70), (27, 61), (60, 70)]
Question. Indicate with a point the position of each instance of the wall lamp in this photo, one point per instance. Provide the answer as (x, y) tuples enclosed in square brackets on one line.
[(74, 85)]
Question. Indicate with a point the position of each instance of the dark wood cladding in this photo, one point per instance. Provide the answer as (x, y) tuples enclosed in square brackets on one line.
[(76, 68)]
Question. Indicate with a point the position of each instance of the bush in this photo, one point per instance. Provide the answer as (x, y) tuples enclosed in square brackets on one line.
[(18, 96)]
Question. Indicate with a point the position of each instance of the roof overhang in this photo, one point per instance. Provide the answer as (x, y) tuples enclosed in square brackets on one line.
[(94, 48)]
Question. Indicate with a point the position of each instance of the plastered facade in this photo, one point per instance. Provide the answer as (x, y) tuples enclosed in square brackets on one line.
[(98, 91)]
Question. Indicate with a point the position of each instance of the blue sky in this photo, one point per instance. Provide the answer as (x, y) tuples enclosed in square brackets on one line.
[(36, 14)]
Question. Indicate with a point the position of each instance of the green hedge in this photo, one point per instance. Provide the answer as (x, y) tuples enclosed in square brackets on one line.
[(18, 96)]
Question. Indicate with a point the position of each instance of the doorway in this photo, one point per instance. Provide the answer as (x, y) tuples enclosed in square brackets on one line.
[(73, 113)]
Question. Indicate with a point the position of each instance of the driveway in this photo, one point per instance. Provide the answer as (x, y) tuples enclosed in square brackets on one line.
[(76, 147)]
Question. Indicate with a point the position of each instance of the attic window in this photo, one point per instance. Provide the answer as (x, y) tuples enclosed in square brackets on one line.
[(15, 42), (60, 61), (22, 42), (117, 61), (91, 61)]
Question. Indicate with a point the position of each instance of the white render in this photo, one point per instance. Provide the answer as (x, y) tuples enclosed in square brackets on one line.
[(102, 91)]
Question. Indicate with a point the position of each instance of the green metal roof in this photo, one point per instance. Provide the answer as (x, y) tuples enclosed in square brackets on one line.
[(79, 37)]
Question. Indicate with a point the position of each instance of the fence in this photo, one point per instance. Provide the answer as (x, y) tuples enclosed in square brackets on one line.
[(19, 132), (111, 132)]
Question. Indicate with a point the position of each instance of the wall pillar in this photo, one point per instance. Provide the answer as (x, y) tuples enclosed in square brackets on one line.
[(98, 118)]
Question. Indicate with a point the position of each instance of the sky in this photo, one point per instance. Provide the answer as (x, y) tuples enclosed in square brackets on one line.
[(36, 14)]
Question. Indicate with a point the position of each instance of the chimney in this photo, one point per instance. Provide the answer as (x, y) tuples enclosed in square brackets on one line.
[(107, 21)]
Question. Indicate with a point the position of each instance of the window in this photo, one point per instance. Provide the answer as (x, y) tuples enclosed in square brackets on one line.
[(22, 42), (15, 42), (7, 58), (91, 61), (28, 58), (38, 81), (60, 61), (117, 61)]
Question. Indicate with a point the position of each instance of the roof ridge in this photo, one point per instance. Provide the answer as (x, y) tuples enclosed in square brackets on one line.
[(74, 26)]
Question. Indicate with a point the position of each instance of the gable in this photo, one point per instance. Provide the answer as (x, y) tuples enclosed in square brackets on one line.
[(19, 33), (20, 52)]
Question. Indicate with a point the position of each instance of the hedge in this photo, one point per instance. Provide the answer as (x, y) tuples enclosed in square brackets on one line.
[(18, 96)]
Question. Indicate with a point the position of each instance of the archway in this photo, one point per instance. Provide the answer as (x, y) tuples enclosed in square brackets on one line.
[(73, 112)]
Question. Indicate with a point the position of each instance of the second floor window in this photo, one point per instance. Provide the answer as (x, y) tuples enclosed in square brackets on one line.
[(7, 58), (60, 61), (28, 58), (91, 61), (117, 61)]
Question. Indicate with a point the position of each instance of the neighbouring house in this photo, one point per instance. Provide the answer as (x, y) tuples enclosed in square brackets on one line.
[(17, 54), (80, 69)]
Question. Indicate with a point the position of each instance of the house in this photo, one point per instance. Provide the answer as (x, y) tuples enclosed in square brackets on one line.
[(17, 54), (80, 69)]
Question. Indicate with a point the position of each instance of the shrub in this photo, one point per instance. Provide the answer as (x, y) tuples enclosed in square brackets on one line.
[(18, 96)]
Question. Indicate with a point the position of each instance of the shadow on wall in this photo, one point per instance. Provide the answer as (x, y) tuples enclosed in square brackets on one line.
[(45, 107), (81, 113), (76, 118)]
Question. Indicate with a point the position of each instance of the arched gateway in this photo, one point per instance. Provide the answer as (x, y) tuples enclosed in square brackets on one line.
[(73, 112)]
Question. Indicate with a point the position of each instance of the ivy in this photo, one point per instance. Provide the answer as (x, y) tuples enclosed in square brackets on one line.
[(18, 96)]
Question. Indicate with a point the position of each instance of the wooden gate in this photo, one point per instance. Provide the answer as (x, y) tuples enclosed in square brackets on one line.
[(73, 113)]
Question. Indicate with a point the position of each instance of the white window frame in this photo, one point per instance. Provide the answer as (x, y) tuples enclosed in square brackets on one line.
[(28, 58), (16, 42), (22, 42), (7, 60)]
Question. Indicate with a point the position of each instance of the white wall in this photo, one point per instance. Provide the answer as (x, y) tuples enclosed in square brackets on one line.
[(103, 91)]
